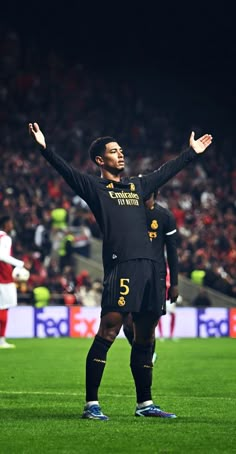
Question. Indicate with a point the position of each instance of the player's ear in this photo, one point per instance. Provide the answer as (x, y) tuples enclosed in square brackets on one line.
[(99, 160)]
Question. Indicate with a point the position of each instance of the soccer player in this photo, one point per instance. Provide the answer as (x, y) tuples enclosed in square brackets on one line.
[(130, 265), (162, 232), (8, 292), (170, 307)]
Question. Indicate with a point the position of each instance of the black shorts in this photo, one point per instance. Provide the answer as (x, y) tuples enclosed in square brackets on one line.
[(134, 286)]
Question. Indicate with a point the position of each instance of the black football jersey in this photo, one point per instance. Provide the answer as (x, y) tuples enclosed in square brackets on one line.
[(119, 206), (162, 232)]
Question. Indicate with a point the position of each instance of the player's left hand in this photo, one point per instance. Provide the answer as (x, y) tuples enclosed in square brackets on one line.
[(173, 293), (200, 144), (36, 133)]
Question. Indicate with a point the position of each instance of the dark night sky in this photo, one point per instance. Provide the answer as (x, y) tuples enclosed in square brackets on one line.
[(192, 46), (166, 32)]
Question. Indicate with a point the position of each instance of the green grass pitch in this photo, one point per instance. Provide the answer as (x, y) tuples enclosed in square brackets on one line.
[(42, 397)]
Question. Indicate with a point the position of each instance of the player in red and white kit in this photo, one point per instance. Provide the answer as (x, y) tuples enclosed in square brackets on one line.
[(8, 291)]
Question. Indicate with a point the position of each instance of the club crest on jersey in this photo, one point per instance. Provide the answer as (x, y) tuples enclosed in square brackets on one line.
[(132, 186), (110, 186), (152, 235), (121, 301), (154, 224)]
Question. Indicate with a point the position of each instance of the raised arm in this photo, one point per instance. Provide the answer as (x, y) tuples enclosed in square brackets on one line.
[(79, 182), (150, 183)]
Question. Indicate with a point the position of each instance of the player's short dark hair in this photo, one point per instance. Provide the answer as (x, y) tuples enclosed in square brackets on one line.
[(4, 220), (97, 147)]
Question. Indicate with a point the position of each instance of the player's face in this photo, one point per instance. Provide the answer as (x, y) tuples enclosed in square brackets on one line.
[(113, 158)]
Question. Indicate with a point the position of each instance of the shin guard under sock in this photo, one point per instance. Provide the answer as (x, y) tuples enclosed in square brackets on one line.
[(141, 367), (95, 364)]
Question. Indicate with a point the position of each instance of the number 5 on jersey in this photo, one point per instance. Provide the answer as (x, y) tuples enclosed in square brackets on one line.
[(124, 288)]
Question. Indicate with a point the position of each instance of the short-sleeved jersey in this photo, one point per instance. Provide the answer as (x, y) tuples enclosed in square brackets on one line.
[(119, 206), (5, 250), (162, 232), (6, 259)]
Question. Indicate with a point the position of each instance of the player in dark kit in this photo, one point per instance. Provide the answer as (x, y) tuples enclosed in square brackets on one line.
[(130, 266), (162, 232)]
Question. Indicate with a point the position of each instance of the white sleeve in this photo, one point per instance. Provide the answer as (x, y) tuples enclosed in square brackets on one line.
[(5, 250)]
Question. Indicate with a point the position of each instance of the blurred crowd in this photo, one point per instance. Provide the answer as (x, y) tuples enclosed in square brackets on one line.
[(74, 104)]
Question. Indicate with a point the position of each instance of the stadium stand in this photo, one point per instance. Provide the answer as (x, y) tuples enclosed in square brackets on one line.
[(74, 105)]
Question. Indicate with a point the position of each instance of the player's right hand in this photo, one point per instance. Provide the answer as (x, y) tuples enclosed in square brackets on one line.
[(37, 134), (173, 293)]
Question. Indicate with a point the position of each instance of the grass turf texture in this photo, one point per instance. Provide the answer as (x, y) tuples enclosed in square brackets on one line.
[(42, 397)]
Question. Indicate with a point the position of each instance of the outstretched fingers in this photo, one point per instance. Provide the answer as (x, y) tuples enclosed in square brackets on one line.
[(200, 144), (36, 127), (33, 127), (206, 140)]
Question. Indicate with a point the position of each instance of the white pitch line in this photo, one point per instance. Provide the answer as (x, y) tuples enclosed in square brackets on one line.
[(52, 393)]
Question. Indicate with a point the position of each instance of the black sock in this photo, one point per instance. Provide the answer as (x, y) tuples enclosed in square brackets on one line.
[(141, 367), (95, 363), (154, 346), (129, 335)]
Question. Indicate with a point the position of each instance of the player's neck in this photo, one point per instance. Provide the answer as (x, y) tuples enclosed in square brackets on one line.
[(108, 175)]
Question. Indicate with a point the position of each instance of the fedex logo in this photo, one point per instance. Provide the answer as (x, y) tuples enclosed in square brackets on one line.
[(84, 321), (232, 322), (65, 321), (51, 322), (213, 322)]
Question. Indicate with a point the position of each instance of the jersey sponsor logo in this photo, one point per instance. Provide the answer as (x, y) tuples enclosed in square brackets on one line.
[(125, 198), (123, 195), (110, 186)]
